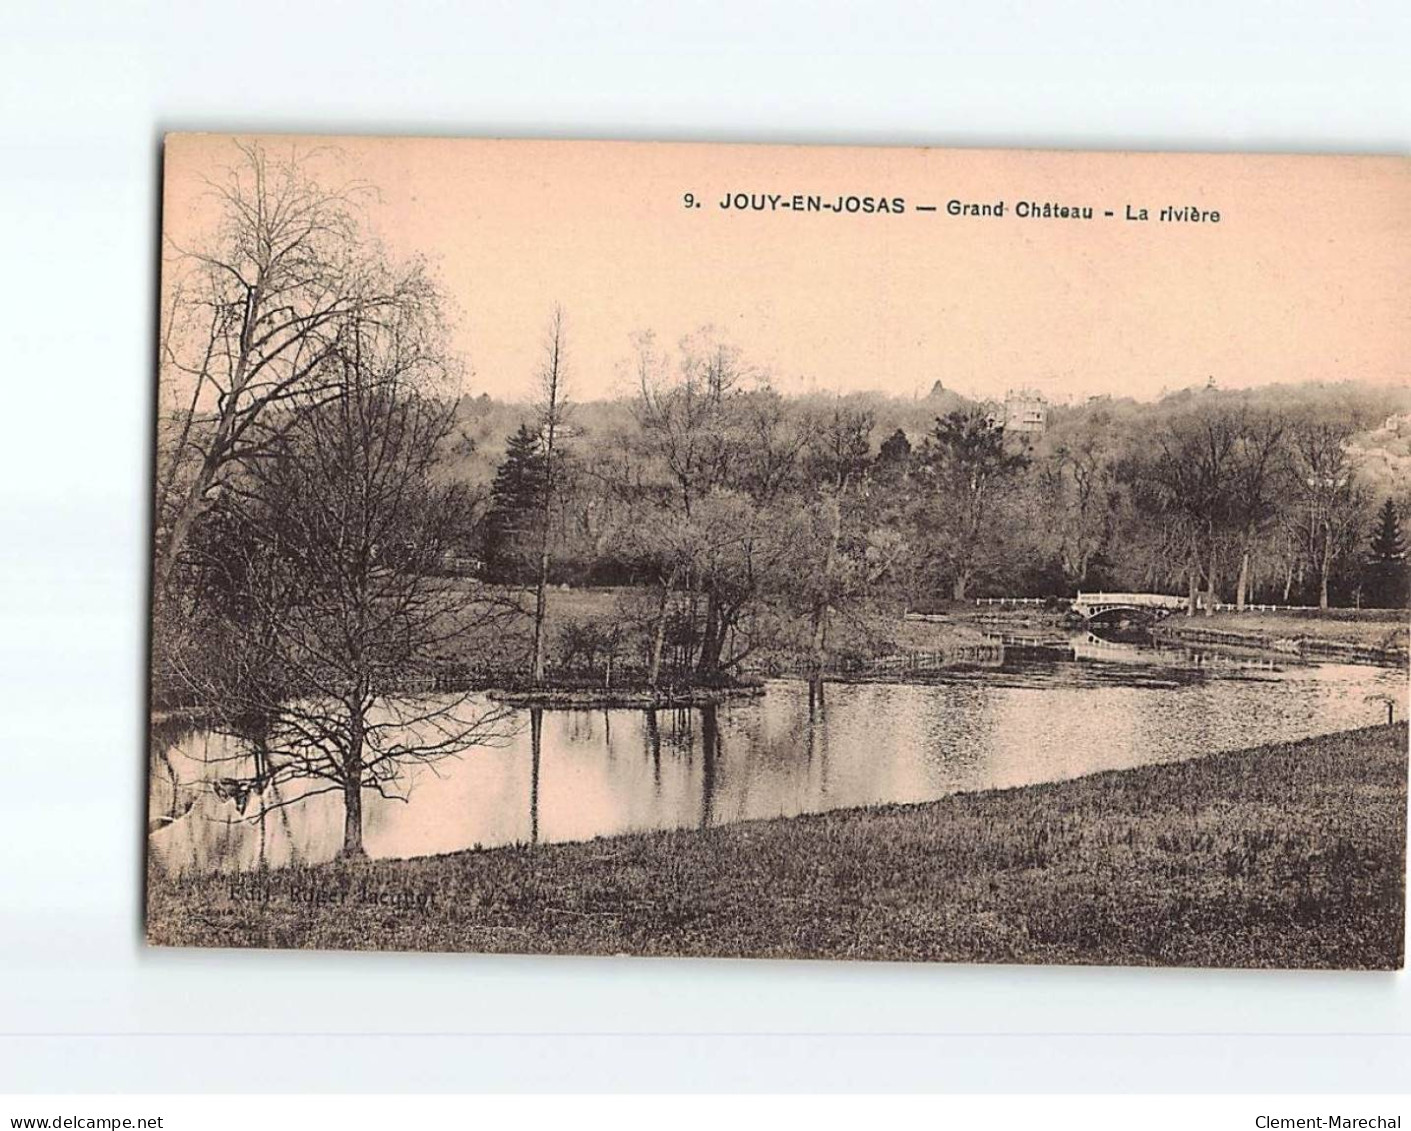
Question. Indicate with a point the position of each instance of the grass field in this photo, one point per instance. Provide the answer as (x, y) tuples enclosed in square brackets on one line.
[(1377, 628), (1284, 855)]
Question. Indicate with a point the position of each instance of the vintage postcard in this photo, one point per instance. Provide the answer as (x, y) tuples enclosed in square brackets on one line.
[(789, 552)]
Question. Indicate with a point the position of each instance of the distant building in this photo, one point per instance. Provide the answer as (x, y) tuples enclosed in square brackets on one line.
[(1023, 412)]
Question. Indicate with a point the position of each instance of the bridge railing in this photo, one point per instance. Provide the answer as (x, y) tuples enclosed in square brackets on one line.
[(1172, 601), (1155, 600), (1163, 599), (1149, 600)]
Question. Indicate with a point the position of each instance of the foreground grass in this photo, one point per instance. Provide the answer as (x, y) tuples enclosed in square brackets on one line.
[(1285, 855)]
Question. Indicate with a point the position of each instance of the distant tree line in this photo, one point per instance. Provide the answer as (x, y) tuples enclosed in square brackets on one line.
[(756, 517)]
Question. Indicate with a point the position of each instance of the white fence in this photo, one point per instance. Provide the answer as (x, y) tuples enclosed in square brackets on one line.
[(1150, 600)]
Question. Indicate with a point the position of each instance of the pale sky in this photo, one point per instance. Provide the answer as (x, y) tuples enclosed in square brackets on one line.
[(1307, 275)]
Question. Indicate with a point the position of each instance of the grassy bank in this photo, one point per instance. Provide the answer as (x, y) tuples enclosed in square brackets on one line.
[(1285, 855), (1378, 631), (1369, 628)]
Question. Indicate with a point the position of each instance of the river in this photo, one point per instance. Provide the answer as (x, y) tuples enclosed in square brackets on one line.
[(575, 775)]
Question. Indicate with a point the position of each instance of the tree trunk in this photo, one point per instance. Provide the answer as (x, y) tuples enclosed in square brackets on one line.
[(218, 451), (709, 659), (820, 608), (820, 637), (186, 517), (707, 635), (1192, 589), (353, 821), (1242, 589), (353, 791), (261, 752), (551, 377), (712, 645), (540, 602), (960, 584), (1327, 566), (1210, 591), (536, 740), (659, 635)]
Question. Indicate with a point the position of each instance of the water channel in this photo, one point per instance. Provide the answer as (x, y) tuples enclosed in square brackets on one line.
[(566, 775)]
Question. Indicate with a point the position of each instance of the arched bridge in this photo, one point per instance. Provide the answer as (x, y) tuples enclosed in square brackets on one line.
[(1090, 605)]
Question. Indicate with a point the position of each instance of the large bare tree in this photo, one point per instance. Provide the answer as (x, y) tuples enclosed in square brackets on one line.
[(1195, 472), (1078, 487), (683, 418), (254, 315), (1261, 480), (335, 623)]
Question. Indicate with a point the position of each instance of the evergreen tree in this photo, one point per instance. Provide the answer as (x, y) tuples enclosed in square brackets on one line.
[(516, 506), (896, 449), (1386, 563)]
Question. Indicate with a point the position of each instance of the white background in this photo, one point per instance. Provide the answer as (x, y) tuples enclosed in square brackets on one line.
[(85, 91)]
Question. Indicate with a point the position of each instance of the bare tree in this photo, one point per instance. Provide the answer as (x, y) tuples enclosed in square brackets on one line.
[(1260, 477), (840, 456), (683, 423), (1331, 503), (253, 319), (337, 622), (1195, 472), (553, 406), (684, 417), (1079, 485)]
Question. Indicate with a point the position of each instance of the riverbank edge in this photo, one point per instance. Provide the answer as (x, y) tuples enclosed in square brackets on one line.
[(550, 696), (1283, 855), (643, 698), (1287, 644)]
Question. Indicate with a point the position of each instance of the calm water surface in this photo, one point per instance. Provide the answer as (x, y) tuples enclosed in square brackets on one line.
[(613, 771)]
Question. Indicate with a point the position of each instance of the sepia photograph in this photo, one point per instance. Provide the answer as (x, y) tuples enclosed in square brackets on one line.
[(761, 551)]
